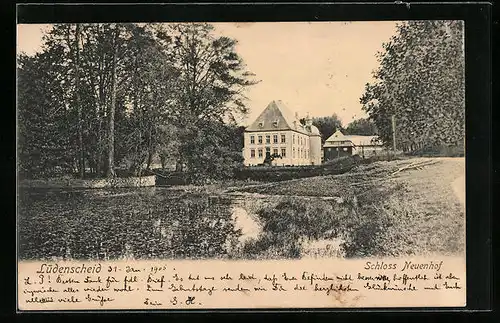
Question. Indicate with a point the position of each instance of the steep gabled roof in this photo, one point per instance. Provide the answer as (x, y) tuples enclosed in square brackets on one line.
[(337, 136), (276, 116)]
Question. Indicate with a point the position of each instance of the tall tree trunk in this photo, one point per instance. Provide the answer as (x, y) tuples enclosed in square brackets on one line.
[(81, 154), (138, 160), (150, 150), (163, 161), (101, 108), (111, 125), (99, 143), (179, 166), (149, 160)]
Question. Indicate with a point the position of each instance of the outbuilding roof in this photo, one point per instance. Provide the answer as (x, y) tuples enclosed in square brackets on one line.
[(338, 138)]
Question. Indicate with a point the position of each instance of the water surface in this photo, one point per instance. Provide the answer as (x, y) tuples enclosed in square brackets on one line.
[(128, 223)]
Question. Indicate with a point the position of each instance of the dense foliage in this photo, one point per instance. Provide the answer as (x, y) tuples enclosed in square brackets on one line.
[(420, 82), (361, 127), (100, 96), (212, 148), (287, 223), (327, 125), (367, 228)]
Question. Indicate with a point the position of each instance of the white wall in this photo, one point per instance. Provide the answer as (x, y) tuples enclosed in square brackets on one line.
[(288, 145), (315, 150)]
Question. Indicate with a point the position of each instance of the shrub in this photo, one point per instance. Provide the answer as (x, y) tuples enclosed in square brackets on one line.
[(211, 151), (282, 173), (343, 161), (379, 223), (290, 221), (440, 151)]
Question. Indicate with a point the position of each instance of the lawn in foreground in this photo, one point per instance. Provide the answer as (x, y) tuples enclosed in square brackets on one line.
[(413, 212)]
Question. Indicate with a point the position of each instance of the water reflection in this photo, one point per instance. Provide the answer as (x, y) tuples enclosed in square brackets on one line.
[(124, 223)]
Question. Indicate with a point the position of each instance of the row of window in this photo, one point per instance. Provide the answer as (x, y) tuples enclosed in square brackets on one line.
[(301, 140), (268, 139), (300, 153)]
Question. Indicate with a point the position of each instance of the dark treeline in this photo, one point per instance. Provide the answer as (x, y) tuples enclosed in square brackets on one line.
[(327, 126), (420, 81), (99, 97)]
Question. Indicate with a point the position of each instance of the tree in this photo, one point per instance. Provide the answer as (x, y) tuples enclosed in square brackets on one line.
[(421, 82), (96, 70), (118, 95), (66, 40), (81, 157), (211, 150), (112, 108), (268, 160), (122, 80), (362, 127), (212, 76), (145, 128), (169, 145), (45, 146), (88, 91), (327, 125), (211, 83)]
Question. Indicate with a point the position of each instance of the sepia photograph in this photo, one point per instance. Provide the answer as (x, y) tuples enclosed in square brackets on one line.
[(241, 140), (247, 141)]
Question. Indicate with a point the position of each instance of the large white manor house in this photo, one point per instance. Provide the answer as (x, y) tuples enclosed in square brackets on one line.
[(278, 132)]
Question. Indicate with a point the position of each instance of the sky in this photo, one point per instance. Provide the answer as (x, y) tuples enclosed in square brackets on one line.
[(315, 68)]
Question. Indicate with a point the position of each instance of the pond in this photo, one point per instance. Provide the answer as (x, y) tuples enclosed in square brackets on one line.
[(144, 223)]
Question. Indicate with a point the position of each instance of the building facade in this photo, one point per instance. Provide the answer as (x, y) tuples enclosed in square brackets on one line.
[(279, 133), (338, 145)]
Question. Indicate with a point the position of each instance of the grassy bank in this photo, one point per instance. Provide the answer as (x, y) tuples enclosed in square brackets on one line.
[(257, 173), (358, 180), (95, 183), (215, 188), (381, 212)]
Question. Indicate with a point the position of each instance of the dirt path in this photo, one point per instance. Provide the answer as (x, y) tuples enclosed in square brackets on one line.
[(439, 183), (459, 188), (437, 197)]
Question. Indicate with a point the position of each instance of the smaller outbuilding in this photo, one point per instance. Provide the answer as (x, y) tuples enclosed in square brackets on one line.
[(338, 145)]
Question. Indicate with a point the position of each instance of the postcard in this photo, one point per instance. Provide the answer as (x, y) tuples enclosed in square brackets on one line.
[(261, 165)]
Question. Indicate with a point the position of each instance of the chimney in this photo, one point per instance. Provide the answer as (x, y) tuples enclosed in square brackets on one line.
[(309, 121)]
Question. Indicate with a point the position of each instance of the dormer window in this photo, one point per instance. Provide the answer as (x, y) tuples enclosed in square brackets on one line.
[(261, 124), (275, 123)]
